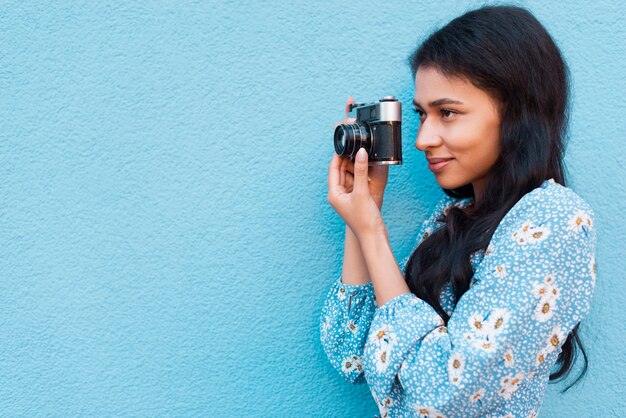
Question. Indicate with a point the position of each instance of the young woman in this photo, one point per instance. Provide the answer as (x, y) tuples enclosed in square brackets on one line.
[(488, 303)]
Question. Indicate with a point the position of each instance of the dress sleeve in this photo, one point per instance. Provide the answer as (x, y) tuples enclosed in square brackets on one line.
[(345, 320), (533, 285)]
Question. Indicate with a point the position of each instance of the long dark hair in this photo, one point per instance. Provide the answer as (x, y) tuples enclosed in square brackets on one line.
[(506, 52)]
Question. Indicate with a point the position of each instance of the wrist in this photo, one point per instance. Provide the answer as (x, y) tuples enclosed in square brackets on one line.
[(373, 236)]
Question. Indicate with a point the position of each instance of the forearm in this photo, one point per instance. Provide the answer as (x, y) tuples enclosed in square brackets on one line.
[(354, 270), (383, 268)]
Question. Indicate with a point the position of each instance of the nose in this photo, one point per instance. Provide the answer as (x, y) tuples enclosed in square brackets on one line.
[(426, 138)]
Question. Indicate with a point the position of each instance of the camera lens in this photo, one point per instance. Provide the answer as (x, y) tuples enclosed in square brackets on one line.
[(349, 138)]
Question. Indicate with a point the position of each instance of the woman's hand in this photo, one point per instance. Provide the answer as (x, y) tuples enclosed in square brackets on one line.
[(377, 174), (350, 193)]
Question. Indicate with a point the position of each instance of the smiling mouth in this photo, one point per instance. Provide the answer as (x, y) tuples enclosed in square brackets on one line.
[(436, 167)]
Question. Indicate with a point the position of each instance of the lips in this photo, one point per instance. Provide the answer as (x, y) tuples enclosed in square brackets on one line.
[(437, 167), (438, 160)]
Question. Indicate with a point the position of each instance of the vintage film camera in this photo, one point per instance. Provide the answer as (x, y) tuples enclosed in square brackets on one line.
[(377, 128)]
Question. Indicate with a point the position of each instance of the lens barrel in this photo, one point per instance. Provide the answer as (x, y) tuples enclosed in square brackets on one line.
[(349, 138)]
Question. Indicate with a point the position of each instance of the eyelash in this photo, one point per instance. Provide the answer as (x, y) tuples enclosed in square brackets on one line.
[(442, 111)]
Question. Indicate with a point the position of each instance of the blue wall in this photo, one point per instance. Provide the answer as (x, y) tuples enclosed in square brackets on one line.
[(166, 240)]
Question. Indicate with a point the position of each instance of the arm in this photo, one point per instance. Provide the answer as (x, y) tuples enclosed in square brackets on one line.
[(381, 262), (354, 270), (349, 306), (529, 292)]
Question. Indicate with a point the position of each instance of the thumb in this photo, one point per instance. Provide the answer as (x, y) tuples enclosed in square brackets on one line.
[(360, 170)]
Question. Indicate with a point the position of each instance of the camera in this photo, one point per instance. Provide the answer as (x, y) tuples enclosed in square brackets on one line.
[(377, 128)]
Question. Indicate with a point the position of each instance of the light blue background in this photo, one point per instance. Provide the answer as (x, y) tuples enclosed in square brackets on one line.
[(166, 239)]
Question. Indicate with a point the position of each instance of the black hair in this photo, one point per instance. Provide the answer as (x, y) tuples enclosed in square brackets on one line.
[(505, 51)]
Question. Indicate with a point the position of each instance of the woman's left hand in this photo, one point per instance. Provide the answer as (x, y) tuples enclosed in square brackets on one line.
[(356, 207)]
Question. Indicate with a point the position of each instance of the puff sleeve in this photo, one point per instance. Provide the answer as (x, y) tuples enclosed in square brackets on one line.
[(533, 285)]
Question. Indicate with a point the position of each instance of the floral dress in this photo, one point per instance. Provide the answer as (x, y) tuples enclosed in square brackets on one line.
[(530, 287)]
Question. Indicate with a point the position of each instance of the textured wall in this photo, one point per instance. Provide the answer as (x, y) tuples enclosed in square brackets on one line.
[(166, 240)]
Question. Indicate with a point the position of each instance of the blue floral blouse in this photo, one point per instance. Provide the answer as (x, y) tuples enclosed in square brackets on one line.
[(531, 286)]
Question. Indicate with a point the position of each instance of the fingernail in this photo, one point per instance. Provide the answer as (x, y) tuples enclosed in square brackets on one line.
[(361, 154)]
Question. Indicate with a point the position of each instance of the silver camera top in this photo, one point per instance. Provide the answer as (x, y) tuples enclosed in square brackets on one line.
[(387, 109)]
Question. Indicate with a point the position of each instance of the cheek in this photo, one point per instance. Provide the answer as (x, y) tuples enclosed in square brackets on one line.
[(475, 150)]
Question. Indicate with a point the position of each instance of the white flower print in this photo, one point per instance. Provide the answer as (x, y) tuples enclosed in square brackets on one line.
[(351, 363), (485, 344), (510, 384), (341, 293), (497, 321), (548, 293), (532, 414), (531, 234), (541, 356), (477, 324), (509, 358), (500, 272), (580, 220), (388, 402), (544, 310), (483, 332), (352, 327), (383, 407), (426, 412), (383, 336), (546, 289), (382, 358), (456, 365), (489, 249), (384, 412), (556, 338), (476, 396)]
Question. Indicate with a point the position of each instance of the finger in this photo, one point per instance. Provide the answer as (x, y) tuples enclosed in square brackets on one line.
[(350, 167), (349, 181), (333, 175), (360, 172), (342, 172), (348, 103)]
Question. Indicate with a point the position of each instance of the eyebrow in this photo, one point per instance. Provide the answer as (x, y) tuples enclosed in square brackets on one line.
[(439, 102)]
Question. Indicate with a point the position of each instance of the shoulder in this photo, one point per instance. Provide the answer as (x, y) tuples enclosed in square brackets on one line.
[(552, 200), (551, 209)]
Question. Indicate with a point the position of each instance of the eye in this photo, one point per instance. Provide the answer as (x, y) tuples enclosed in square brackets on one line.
[(447, 111)]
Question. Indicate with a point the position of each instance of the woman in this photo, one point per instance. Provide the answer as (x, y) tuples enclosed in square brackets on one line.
[(473, 321)]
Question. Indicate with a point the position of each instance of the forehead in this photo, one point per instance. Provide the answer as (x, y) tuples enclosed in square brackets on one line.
[(431, 84)]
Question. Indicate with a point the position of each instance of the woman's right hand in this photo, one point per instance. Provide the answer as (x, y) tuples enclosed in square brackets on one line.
[(377, 174)]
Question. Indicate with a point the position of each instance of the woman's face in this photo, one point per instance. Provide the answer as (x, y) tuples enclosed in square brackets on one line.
[(466, 130)]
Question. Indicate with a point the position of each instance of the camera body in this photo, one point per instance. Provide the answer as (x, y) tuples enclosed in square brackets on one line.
[(378, 129)]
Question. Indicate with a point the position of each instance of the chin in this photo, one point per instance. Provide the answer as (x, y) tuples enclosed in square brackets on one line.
[(448, 183)]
